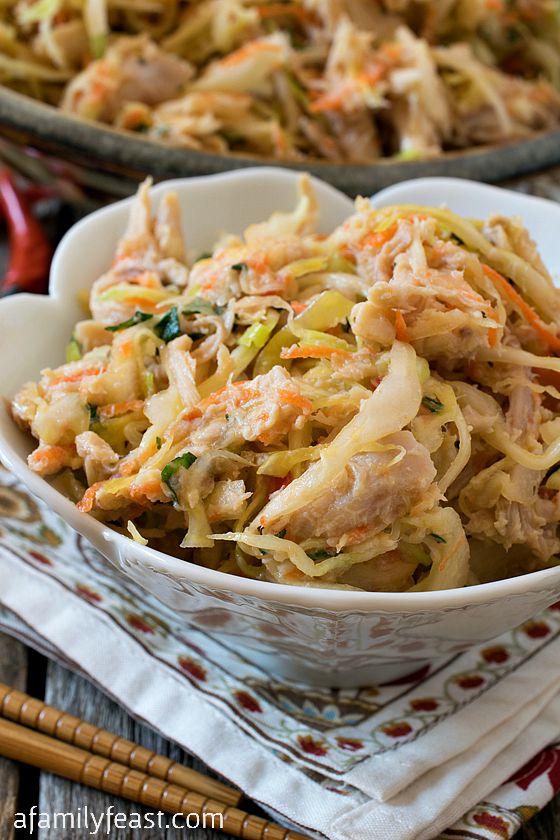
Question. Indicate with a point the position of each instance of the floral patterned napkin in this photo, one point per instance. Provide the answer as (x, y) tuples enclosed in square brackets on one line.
[(468, 750)]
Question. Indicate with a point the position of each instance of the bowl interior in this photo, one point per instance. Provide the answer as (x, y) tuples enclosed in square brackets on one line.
[(35, 331)]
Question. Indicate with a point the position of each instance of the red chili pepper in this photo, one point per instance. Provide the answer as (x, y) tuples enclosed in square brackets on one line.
[(30, 251)]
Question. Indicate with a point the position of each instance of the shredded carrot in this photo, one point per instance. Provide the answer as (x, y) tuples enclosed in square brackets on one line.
[(151, 490), (283, 9), (296, 400), (377, 239), (148, 280), (47, 454), (492, 337), (372, 74), (128, 467), (298, 306), (391, 51), (545, 334), (79, 374), (349, 255), (240, 392), (87, 501), (314, 351), (244, 394), (211, 399), (116, 409), (126, 348), (248, 51), (193, 414), (401, 328), (141, 302), (356, 534), (333, 101), (293, 574), (98, 90), (259, 265)]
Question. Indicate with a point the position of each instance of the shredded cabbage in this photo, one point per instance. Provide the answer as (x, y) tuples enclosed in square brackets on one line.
[(394, 404)]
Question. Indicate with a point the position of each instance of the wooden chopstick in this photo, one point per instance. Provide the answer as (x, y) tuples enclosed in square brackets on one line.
[(31, 747), (21, 708)]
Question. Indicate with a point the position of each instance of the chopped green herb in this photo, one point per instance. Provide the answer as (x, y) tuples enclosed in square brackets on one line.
[(437, 537), (281, 534), (432, 404), (184, 461), (239, 266), (137, 318), (141, 127), (322, 554), (158, 443), (199, 305), (73, 350), (206, 255), (227, 417), (93, 414), (168, 327)]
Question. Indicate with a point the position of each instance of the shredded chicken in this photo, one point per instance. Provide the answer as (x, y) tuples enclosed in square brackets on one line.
[(369, 494), (134, 70)]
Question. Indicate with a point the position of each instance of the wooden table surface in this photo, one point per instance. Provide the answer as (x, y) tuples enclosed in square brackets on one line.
[(22, 787)]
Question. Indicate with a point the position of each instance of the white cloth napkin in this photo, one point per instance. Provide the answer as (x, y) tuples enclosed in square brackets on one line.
[(409, 761)]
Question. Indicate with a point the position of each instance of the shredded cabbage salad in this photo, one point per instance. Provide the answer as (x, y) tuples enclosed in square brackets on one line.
[(334, 80), (373, 409)]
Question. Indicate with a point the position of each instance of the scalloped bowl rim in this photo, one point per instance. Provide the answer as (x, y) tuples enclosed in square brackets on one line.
[(321, 599)]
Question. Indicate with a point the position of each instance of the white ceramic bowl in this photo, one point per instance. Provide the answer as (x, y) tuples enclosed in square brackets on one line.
[(326, 636)]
